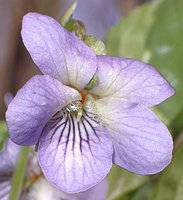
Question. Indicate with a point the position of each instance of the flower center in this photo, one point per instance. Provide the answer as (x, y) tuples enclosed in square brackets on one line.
[(86, 104), (76, 107), (73, 108)]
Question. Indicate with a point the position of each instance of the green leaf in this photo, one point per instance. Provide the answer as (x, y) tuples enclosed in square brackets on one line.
[(177, 125), (154, 33), (3, 133), (122, 182), (143, 193), (170, 185), (128, 37)]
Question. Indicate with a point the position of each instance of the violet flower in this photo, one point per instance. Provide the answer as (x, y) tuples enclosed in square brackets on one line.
[(82, 132)]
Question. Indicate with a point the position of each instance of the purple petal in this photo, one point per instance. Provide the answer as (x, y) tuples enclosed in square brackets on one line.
[(34, 105), (42, 189), (98, 192), (5, 187), (33, 168), (75, 156), (132, 80), (57, 52), (142, 144), (8, 157)]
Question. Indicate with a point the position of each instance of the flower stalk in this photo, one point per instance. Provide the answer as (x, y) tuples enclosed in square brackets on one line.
[(19, 173)]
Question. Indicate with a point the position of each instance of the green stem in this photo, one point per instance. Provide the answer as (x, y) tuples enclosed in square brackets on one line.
[(19, 174)]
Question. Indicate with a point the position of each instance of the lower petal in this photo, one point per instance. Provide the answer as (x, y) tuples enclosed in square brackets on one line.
[(75, 155), (142, 144)]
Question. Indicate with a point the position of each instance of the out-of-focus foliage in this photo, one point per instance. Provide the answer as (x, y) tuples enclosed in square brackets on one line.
[(153, 33), (122, 182), (142, 193), (170, 185)]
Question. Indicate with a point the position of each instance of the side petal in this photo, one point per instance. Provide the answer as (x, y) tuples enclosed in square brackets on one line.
[(75, 156), (34, 105), (132, 80), (57, 52), (142, 144)]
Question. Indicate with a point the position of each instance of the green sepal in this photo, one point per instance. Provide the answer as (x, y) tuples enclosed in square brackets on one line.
[(78, 27), (96, 45), (92, 83)]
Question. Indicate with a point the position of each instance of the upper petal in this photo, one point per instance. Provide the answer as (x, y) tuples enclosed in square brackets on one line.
[(75, 155), (132, 80), (57, 52), (142, 144), (34, 105)]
